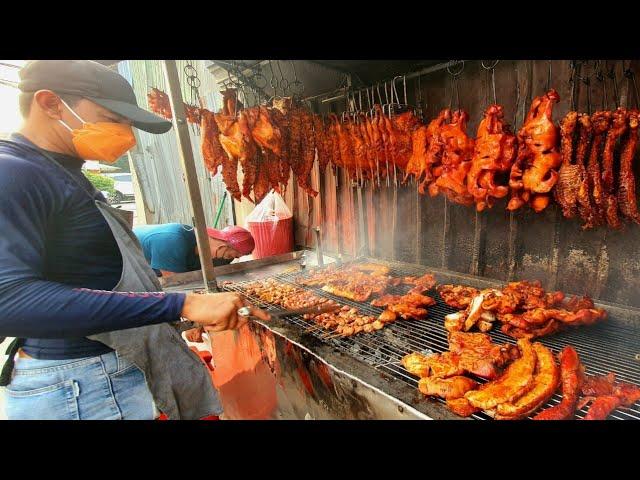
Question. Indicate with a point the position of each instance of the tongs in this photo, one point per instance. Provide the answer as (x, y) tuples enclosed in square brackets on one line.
[(316, 309)]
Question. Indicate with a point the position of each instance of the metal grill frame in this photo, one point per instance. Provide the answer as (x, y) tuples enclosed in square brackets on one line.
[(610, 346)]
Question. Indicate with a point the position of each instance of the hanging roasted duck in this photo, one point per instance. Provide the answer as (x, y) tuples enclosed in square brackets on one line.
[(534, 174), (457, 155), (617, 130), (494, 153)]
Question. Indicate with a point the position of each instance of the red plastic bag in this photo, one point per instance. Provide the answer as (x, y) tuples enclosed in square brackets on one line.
[(271, 224)]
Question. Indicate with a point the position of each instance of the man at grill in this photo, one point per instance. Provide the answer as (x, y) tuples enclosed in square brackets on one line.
[(96, 338)]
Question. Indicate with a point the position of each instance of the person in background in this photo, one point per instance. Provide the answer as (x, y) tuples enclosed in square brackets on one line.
[(171, 248)]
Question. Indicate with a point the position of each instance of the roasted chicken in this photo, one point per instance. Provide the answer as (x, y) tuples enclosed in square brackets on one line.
[(627, 183), (534, 172), (493, 156)]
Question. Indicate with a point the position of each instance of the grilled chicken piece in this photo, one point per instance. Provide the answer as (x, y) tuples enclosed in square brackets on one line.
[(422, 284), (212, 152), (159, 103), (494, 153), (627, 183), (607, 395), (585, 137), (516, 381), (566, 191), (417, 364), (263, 130), (447, 388), (418, 161), (601, 122), (546, 380), (457, 296), (535, 172), (462, 407), (572, 375), (456, 160), (618, 128)]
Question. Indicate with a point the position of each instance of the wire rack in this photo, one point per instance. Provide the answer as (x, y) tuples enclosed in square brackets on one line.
[(610, 346)]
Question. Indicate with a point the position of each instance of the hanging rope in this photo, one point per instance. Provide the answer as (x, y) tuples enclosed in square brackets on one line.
[(454, 84), (612, 76), (491, 70), (600, 77), (628, 73)]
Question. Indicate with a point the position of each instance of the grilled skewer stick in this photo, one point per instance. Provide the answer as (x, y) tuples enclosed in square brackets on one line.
[(627, 184), (618, 128)]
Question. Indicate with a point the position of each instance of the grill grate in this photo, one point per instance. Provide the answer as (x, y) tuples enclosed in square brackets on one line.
[(606, 347)]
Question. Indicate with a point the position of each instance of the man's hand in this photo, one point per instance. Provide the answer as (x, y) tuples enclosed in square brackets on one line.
[(194, 335), (219, 311)]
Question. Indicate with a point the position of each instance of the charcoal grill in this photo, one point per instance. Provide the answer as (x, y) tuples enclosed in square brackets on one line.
[(611, 346)]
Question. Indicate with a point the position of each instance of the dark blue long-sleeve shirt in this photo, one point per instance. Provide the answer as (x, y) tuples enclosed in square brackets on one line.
[(59, 261)]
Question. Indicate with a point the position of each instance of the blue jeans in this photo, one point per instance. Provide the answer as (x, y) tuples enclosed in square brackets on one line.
[(106, 387)]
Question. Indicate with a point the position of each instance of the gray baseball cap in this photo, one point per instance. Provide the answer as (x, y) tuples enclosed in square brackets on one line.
[(93, 81)]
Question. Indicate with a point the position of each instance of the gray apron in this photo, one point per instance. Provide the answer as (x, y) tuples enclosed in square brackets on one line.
[(179, 382)]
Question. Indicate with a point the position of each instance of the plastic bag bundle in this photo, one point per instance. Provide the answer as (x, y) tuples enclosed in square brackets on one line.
[(271, 224)]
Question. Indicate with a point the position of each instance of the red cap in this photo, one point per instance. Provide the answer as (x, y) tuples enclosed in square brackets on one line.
[(237, 237)]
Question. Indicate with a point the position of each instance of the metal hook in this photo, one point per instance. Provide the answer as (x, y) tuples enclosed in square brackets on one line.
[(454, 62), (491, 66)]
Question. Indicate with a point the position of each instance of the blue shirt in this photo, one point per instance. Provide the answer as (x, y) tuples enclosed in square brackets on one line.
[(59, 260), (170, 247)]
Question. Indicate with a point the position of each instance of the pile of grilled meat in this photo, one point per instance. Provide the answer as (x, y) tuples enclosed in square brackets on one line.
[(524, 309), (520, 378), (595, 149)]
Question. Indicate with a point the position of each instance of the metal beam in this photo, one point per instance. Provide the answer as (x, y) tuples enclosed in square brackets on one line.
[(189, 170)]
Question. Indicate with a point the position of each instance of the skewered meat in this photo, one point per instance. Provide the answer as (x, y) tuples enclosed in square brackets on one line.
[(261, 184), (546, 380), (308, 153), (572, 374), (627, 183), (212, 152), (447, 388), (533, 174), (566, 191), (494, 153), (583, 197), (456, 161), (320, 136), (600, 122), (515, 382), (457, 296), (618, 128)]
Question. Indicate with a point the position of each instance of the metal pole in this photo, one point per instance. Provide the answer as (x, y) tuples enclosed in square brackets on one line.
[(185, 151)]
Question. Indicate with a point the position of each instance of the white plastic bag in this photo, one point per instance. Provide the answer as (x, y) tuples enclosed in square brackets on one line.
[(271, 225), (271, 208)]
